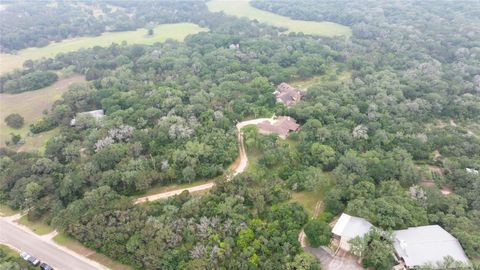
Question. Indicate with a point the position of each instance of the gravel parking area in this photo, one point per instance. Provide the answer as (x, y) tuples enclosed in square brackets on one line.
[(341, 261)]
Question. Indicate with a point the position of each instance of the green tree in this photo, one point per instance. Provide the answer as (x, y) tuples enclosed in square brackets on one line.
[(318, 232), (378, 252)]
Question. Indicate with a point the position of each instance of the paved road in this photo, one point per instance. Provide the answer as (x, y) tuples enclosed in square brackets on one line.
[(242, 165), (17, 237)]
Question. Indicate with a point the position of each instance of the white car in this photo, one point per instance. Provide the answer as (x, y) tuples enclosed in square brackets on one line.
[(34, 261), (25, 255)]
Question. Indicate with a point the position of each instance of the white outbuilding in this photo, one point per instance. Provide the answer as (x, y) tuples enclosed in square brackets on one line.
[(96, 114), (348, 227), (424, 245)]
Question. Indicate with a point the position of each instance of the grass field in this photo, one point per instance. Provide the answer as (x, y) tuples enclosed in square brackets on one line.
[(6, 211), (307, 199), (242, 8), (8, 251), (31, 106), (162, 32), (76, 246), (39, 226)]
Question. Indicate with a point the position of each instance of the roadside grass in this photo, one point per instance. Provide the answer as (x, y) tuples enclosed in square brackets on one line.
[(9, 252), (39, 226), (244, 9), (177, 31), (253, 156), (77, 247), (6, 211), (30, 105)]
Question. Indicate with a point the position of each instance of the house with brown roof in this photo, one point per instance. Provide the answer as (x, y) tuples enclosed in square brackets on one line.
[(287, 94), (280, 126)]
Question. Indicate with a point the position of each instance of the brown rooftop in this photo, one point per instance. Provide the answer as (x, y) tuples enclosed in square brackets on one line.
[(281, 126), (287, 94)]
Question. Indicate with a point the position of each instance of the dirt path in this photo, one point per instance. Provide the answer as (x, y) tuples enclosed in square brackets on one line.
[(167, 194), (241, 166)]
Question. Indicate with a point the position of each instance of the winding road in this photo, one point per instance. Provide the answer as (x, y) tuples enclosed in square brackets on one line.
[(242, 165)]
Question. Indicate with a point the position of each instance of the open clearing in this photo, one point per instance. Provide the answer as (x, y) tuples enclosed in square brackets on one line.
[(39, 227), (177, 31), (330, 75), (242, 8), (31, 105), (78, 248)]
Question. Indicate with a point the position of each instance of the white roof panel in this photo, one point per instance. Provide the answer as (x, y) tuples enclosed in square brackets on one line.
[(350, 227), (427, 245)]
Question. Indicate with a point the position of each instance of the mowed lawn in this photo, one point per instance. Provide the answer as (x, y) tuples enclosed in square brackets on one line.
[(242, 8), (177, 31), (31, 105)]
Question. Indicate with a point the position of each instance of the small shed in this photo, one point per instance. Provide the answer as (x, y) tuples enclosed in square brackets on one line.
[(471, 170), (348, 227), (97, 114)]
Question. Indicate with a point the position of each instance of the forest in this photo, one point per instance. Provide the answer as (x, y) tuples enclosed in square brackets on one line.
[(412, 101)]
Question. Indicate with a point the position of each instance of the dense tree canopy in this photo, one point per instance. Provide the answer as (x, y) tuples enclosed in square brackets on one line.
[(409, 98)]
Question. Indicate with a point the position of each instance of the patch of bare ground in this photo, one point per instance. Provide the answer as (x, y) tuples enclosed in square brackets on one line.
[(436, 169)]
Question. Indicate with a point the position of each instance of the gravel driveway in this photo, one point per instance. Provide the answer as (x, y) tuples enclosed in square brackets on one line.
[(342, 261)]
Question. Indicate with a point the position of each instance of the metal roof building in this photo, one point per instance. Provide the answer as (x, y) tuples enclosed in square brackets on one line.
[(97, 114), (349, 227), (430, 244)]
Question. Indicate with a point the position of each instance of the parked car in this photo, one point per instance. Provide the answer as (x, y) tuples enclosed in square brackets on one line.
[(24, 255), (45, 266), (34, 261)]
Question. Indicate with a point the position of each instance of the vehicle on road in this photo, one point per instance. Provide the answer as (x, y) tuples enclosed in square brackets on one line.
[(24, 255), (34, 261), (45, 266)]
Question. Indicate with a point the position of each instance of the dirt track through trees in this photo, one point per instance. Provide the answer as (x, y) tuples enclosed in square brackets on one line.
[(242, 165)]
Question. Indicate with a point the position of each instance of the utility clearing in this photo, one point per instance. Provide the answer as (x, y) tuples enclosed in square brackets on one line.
[(242, 8)]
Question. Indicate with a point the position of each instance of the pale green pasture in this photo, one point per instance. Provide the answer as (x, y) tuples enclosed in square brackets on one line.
[(242, 8), (177, 31)]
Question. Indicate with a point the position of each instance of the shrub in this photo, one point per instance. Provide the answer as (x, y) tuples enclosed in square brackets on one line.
[(14, 120)]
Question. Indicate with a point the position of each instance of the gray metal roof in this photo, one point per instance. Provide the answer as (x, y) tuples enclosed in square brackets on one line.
[(97, 114), (427, 245), (349, 227)]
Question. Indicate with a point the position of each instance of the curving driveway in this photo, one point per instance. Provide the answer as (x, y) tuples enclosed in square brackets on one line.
[(242, 165)]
